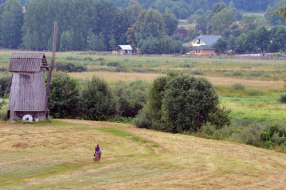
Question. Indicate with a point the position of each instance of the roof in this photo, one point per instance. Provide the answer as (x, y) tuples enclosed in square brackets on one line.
[(209, 39), (186, 44), (181, 32), (126, 47), (204, 47), (27, 62)]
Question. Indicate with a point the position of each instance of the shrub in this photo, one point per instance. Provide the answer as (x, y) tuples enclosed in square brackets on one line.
[(249, 135), (186, 66), (196, 73), (238, 86), (120, 68), (282, 98), (4, 81), (255, 92), (97, 102), (70, 67), (3, 69), (100, 59), (87, 59), (64, 96), (143, 119), (113, 64), (131, 97), (187, 104)]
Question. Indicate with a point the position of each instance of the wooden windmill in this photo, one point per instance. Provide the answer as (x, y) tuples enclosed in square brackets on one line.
[(29, 95)]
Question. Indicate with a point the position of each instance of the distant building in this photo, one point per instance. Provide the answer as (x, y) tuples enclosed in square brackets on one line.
[(203, 50), (202, 45), (208, 40), (181, 32), (125, 50)]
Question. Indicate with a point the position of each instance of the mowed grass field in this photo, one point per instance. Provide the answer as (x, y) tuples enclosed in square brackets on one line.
[(58, 155)]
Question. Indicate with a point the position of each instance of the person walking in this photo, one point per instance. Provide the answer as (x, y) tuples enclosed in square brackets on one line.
[(97, 154)]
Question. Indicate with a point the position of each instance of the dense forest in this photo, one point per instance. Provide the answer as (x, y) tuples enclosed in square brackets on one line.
[(101, 25), (184, 8)]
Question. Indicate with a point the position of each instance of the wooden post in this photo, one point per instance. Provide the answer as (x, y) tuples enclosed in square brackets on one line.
[(51, 68)]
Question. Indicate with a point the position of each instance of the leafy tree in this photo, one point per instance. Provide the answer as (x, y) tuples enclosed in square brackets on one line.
[(222, 21), (250, 45), (131, 97), (11, 21), (152, 26), (64, 96), (97, 102), (171, 22), (188, 103), (249, 22), (277, 39), (112, 42), (202, 24), (262, 38), (133, 10), (180, 104), (66, 41), (192, 33), (220, 45), (218, 7), (78, 16)]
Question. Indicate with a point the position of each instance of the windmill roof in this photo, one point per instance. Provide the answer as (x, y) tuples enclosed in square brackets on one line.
[(209, 39), (27, 62)]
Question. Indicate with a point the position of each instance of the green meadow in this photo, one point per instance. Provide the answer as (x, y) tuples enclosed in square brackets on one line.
[(58, 155), (263, 80)]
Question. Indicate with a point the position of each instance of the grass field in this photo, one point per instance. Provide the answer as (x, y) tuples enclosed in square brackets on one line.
[(59, 155)]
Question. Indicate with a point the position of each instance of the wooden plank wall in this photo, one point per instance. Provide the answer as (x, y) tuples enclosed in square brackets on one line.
[(28, 92)]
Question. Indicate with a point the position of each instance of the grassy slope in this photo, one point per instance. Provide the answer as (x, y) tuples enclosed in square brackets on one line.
[(59, 156)]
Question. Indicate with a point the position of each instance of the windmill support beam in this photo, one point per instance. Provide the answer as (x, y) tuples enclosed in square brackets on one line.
[(51, 68)]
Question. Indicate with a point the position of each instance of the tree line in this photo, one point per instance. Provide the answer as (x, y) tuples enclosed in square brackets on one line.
[(184, 8), (102, 25), (83, 24)]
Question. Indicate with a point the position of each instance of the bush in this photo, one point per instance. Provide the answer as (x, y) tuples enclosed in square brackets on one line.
[(255, 92), (196, 73), (97, 102), (143, 119), (70, 67), (282, 98), (64, 96), (188, 103), (131, 97), (250, 135), (238, 86), (3, 69), (4, 81), (113, 64)]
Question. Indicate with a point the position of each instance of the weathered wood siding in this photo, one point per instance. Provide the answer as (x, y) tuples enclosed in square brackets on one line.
[(28, 92)]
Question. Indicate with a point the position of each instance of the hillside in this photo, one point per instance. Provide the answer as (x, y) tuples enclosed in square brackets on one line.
[(58, 155)]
